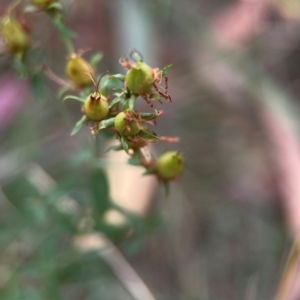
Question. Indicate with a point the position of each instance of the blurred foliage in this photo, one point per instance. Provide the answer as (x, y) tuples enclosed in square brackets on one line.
[(221, 232)]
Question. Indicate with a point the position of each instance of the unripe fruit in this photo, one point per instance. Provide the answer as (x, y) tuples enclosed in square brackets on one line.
[(120, 125), (77, 70), (96, 107), (41, 3), (169, 165), (139, 78), (14, 36)]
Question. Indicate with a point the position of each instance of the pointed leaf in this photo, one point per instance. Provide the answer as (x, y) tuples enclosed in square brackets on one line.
[(37, 87), (55, 5), (61, 27), (133, 161), (100, 192), (136, 56), (165, 70), (62, 90), (147, 116), (147, 135), (95, 59), (74, 98), (29, 9), (106, 123), (119, 89), (132, 102), (79, 124), (114, 102), (147, 172), (167, 187), (118, 76), (114, 148), (124, 143), (157, 97)]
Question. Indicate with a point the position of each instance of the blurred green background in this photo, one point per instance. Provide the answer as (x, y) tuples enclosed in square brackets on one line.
[(225, 230)]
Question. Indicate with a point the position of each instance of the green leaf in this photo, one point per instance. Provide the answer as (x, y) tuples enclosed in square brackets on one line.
[(104, 85), (147, 136), (134, 161), (106, 123), (29, 9), (118, 76), (79, 124), (166, 185), (157, 97), (55, 5), (37, 87), (136, 56), (114, 102), (148, 116), (95, 59), (124, 103), (74, 98), (63, 90), (124, 143), (114, 148), (61, 27), (120, 89), (165, 70), (132, 102), (100, 192), (147, 172)]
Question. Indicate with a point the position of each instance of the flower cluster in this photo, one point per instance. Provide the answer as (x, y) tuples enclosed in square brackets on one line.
[(119, 115), (107, 104)]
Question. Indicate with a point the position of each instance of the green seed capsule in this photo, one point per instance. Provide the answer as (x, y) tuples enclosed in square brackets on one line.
[(77, 70), (169, 165), (96, 107), (14, 36), (139, 78), (41, 3), (120, 125)]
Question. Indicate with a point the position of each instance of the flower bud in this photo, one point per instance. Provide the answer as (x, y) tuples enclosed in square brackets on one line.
[(96, 107), (77, 70), (124, 125), (169, 165), (139, 78), (14, 36)]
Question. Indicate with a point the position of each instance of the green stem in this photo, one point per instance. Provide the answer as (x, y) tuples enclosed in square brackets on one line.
[(68, 44)]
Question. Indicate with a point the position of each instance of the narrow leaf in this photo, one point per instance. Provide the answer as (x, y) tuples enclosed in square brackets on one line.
[(30, 9), (133, 161), (95, 59), (79, 124), (157, 97), (167, 187), (100, 192), (118, 76), (136, 56), (64, 31), (147, 116), (119, 89), (165, 70), (114, 102), (114, 148), (55, 5), (63, 90), (132, 102), (106, 123), (147, 135), (124, 143), (37, 87), (74, 98)]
